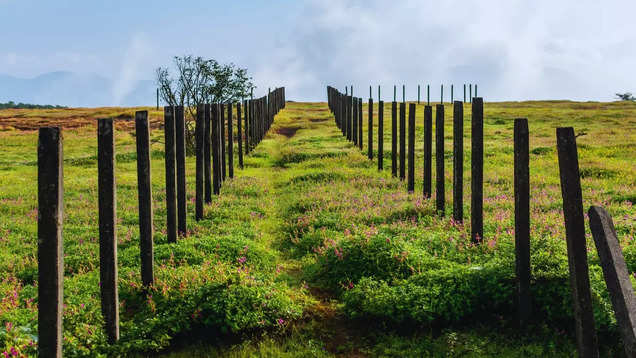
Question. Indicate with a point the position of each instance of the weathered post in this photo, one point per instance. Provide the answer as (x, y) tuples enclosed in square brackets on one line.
[(200, 153), (411, 159), (181, 171), (587, 343), (418, 94), (477, 171), (370, 129), (222, 133), (616, 275), (428, 95), (360, 123), (402, 140), (107, 229), (470, 98), (394, 148), (207, 154), (394, 93), (439, 160), (354, 135), (475, 90), (230, 142), (50, 249), (380, 134), (239, 134), (157, 98), (458, 161), (522, 219), (247, 120), (171, 175), (428, 151), (144, 190), (216, 152), (464, 93), (441, 100)]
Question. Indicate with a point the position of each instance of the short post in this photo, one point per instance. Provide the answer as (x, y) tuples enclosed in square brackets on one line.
[(411, 160), (246, 107), (458, 161), (157, 98), (428, 151), (199, 152), (144, 190), (402, 140), (239, 134), (207, 154), (360, 123), (107, 229), (522, 219), (394, 138), (452, 94), (403, 93), (440, 201), (394, 93), (230, 142), (475, 90), (477, 171), (441, 98), (181, 171), (616, 275), (418, 94), (380, 135), (171, 176), (50, 249), (470, 98), (587, 343), (354, 134), (222, 133), (464, 93), (428, 95), (370, 128)]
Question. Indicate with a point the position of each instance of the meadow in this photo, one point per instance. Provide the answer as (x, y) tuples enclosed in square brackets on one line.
[(310, 251)]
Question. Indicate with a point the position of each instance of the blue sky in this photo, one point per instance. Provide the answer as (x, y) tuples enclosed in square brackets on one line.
[(513, 49)]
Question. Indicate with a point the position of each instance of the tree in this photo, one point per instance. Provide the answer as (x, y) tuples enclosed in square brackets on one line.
[(198, 81), (627, 96)]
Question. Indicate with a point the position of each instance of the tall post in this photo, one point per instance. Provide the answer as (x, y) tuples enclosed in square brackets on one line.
[(394, 93), (394, 146), (354, 134), (230, 142), (107, 229), (379, 98), (144, 190), (440, 199), (216, 152), (171, 174), (587, 343), (475, 90), (470, 93), (403, 93), (157, 98), (239, 133), (418, 94), (441, 98), (207, 153), (411, 159), (477, 171), (522, 219), (360, 123), (380, 134), (370, 129), (458, 161), (452, 94), (428, 151), (50, 249), (247, 126), (428, 95), (464, 93), (616, 275), (402, 140), (223, 165), (181, 171), (199, 134)]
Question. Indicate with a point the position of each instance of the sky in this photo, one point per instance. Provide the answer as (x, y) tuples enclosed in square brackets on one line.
[(514, 50)]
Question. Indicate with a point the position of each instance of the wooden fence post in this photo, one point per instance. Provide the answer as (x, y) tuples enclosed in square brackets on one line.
[(222, 133), (171, 176), (411, 159), (107, 229), (394, 147), (144, 190), (380, 134), (50, 248), (402, 140), (370, 129), (477, 171), (207, 153), (247, 126), (428, 151), (522, 219), (458, 161), (200, 153), (181, 171), (575, 237), (239, 134), (440, 199), (616, 275), (354, 135), (230, 142), (360, 123), (216, 159)]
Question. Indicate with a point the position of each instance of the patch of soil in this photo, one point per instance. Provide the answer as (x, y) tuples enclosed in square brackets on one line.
[(287, 131)]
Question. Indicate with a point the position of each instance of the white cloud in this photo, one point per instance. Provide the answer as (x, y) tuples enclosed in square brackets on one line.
[(134, 61)]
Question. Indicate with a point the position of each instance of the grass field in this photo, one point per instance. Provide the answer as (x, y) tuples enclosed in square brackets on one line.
[(310, 251)]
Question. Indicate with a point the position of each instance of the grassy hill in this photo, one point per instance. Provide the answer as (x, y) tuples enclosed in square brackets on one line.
[(310, 251)]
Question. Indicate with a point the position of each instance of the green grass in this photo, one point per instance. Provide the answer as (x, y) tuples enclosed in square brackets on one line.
[(310, 251)]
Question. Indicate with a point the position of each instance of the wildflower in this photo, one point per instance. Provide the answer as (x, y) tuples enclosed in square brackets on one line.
[(242, 259), (280, 321)]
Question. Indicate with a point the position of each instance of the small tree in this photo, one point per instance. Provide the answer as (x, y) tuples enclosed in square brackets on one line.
[(627, 96), (198, 81)]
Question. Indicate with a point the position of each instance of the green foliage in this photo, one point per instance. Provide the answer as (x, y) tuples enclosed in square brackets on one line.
[(20, 105)]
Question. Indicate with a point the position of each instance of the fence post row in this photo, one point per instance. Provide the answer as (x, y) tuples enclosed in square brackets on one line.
[(144, 189)]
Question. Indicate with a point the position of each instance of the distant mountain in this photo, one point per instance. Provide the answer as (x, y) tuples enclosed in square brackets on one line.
[(73, 90)]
